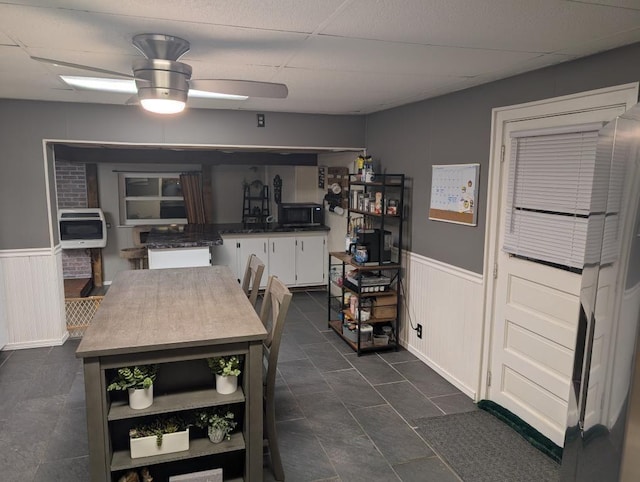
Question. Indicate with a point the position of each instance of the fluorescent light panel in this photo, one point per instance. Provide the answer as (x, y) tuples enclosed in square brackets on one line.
[(125, 86), (203, 94), (128, 86)]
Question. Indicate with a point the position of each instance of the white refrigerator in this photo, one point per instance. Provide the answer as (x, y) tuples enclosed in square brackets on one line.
[(602, 441)]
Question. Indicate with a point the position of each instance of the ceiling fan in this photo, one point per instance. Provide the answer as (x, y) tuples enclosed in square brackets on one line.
[(161, 83)]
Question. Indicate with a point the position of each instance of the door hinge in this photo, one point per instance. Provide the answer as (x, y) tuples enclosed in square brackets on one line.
[(488, 378), (495, 270), (502, 153)]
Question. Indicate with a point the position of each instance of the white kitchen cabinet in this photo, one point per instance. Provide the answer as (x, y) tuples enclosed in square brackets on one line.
[(179, 257), (253, 245), (226, 254), (310, 260), (297, 260), (282, 261)]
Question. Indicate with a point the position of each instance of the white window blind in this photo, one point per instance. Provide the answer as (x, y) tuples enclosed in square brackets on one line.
[(555, 187)]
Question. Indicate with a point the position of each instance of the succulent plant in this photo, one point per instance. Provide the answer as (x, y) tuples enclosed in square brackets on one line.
[(141, 376), (158, 427), (225, 365), (218, 418)]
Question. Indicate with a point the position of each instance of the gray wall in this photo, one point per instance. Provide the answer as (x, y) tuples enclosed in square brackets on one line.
[(26, 123), (456, 128)]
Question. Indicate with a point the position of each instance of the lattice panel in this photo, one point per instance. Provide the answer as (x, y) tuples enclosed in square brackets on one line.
[(79, 313)]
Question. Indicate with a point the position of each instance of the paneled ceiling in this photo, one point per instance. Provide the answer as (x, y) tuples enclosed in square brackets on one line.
[(336, 56)]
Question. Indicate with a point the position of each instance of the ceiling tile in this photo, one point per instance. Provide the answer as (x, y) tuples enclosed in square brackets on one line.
[(282, 15), (372, 56), (522, 25), (632, 4), (595, 45)]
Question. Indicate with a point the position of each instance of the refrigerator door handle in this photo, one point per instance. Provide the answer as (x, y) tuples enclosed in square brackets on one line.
[(582, 363)]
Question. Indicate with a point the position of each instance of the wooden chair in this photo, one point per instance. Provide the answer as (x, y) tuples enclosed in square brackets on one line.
[(252, 277), (275, 305)]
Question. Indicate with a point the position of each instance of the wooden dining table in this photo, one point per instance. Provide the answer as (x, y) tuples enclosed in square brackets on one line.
[(175, 318)]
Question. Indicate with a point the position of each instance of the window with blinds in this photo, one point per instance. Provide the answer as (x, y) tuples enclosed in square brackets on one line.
[(557, 192)]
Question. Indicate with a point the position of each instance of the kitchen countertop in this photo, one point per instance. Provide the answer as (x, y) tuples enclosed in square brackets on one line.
[(183, 236), (198, 235)]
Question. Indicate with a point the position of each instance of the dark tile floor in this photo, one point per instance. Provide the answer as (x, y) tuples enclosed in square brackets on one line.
[(340, 417)]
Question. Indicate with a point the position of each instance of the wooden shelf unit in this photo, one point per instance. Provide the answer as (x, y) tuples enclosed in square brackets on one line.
[(177, 399), (388, 185), (199, 447)]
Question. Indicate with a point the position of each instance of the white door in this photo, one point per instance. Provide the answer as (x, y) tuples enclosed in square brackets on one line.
[(282, 259), (253, 245), (534, 311), (310, 260), (533, 339)]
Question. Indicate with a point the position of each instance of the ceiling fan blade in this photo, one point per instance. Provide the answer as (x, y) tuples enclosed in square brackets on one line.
[(241, 87), (82, 67), (133, 100)]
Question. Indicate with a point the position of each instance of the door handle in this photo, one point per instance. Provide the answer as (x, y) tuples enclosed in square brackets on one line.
[(264, 247), (302, 245)]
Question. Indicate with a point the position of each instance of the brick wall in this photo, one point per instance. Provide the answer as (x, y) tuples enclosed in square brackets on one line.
[(71, 188), (71, 184)]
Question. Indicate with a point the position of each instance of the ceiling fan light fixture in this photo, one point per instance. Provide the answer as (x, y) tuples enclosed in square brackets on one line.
[(161, 100), (162, 106)]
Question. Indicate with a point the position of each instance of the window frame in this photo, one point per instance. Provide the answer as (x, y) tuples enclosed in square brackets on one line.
[(123, 198)]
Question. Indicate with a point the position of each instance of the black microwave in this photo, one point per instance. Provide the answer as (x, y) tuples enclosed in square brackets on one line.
[(300, 214)]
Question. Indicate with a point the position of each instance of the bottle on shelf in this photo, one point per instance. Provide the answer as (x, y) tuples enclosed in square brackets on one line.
[(368, 170)]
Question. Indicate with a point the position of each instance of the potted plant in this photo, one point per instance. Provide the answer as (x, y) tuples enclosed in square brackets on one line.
[(138, 381), (163, 435), (226, 370), (218, 421)]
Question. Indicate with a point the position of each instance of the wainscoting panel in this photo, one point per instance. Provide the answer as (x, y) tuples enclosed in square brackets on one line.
[(34, 295), (448, 302)]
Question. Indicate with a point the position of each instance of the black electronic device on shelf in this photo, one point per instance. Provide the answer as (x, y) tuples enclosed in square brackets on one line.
[(377, 243)]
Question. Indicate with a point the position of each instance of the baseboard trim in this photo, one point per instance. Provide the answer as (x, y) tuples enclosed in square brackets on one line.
[(36, 343), (440, 371)]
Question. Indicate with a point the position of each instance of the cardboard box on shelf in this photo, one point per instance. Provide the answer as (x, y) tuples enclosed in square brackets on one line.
[(385, 306)]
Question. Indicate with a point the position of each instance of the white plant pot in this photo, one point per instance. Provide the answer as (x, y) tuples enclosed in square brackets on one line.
[(216, 435), (171, 442), (140, 398), (226, 385)]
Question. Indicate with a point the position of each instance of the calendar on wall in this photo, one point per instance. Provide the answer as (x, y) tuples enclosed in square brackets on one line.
[(454, 193)]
